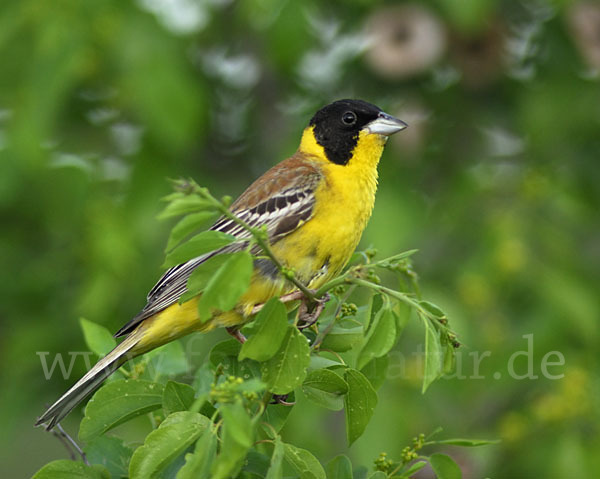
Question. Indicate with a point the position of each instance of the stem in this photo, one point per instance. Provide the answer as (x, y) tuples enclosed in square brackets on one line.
[(259, 237), (321, 336), (400, 297)]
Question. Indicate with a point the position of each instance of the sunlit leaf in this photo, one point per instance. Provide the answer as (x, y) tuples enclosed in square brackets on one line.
[(325, 388), (270, 329), (66, 469), (202, 274), (303, 462), (175, 434), (444, 466), (381, 337), (287, 369), (341, 339), (187, 225), (117, 402), (200, 244), (186, 204), (177, 397), (227, 285), (97, 337), (359, 402)]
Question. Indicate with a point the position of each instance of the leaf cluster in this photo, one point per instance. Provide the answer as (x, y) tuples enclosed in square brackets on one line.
[(227, 423)]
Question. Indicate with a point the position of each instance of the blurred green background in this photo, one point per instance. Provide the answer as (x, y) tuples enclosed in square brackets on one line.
[(496, 182)]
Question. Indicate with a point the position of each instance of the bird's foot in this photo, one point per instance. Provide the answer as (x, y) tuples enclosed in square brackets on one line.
[(237, 334), (308, 318)]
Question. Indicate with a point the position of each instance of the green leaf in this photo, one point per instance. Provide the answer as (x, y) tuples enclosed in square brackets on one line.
[(238, 437), (118, 402), (359, 402), (238, 423), (320, 362), (177, 397), (187, 225), (449, 356), (198, 464), (222, 352), (200, 244), (276, 465), (433, 309), (226, 354), (287, 369), (325, 388), (468, 442), (339, 467), (203, 379), (444, 466), (256, 465), (372, 310), (167, 360), (276, 415), (376, 371), (342, 339), (402, 314), (433, 354), (227, 285), (66, 469), (184, 205), (97, 338), (380, 338), (270, 329), (303, 462), (417, 466), (110, 452), (202, 274), (163, 445)]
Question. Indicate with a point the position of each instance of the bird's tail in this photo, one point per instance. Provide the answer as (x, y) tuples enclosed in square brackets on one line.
[(88, 383)]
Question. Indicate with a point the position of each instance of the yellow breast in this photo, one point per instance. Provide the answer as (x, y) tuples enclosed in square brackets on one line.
[(344, 201)]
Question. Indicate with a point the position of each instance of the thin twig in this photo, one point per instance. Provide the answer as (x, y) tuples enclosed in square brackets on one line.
[(329, 327), (69, 443)]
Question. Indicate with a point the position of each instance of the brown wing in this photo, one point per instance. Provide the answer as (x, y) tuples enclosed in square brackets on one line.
[(282, 200)]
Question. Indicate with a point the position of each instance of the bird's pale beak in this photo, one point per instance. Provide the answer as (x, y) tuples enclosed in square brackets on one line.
[(385, 125)]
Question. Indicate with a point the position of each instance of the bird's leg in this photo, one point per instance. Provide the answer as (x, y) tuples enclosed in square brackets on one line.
[(286, 298), (237, 334), (306, 317), (69, 443)]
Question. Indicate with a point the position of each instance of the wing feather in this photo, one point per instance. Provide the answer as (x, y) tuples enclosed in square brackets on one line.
[(282, 200)]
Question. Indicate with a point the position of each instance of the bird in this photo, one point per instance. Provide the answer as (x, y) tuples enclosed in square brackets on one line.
[(314, 205)]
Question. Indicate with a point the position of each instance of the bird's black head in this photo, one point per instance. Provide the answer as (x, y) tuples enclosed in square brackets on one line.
[(337, 126)]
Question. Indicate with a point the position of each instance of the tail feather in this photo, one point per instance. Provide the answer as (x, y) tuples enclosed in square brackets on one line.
[(88, 383)]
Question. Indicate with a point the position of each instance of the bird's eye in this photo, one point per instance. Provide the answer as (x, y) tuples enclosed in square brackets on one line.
[(349, 118)]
